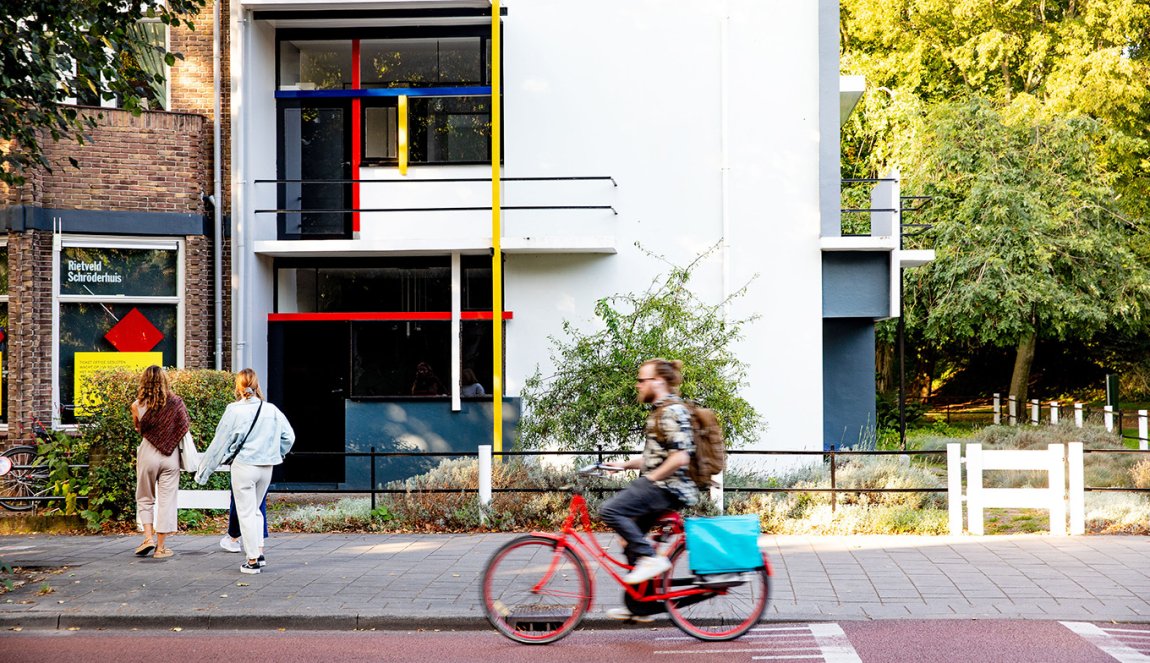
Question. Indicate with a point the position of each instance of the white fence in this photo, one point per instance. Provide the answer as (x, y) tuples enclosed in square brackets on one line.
[(1058, 461), (1060, 497)]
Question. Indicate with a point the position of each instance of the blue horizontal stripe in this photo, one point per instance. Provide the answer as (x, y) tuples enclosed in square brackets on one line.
[(476, 91)]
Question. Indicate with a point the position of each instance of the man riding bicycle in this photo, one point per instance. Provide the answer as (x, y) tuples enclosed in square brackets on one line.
[(663, 483)]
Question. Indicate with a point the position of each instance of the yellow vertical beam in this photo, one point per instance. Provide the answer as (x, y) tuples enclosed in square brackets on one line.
[(401, 139), (496, 232)]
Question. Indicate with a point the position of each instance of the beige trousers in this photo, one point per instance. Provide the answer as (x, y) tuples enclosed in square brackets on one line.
[(157, 480)]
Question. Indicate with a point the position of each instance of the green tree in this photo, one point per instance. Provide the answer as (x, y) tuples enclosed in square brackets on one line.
[(1030, 241), (1055, 58), (589, 401), (53, 50)]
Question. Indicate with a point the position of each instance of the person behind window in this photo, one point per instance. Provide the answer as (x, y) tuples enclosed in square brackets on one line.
[(258, 436), (426, 383), (162, 419), (469, 384)]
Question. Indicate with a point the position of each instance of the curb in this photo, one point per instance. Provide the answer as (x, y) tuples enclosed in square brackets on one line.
[(60, 622)]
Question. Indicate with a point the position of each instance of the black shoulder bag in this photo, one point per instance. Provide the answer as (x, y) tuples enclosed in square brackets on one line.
[(241, 445)]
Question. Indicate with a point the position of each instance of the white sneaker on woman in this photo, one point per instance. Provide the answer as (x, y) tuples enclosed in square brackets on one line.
[(231, 545)]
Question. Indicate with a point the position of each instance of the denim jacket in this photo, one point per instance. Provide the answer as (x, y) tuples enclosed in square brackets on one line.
[(270, 440)]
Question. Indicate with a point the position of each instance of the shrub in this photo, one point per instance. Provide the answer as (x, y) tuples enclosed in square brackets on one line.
[(1140, 474), (108, 441)]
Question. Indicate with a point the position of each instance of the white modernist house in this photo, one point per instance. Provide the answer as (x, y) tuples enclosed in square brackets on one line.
[(361, 187)]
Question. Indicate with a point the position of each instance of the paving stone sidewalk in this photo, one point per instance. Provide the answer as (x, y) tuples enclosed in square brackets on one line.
[(408, 581)]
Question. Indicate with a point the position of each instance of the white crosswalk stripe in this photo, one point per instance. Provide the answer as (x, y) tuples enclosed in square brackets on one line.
[(793, 642), (1126, 645)]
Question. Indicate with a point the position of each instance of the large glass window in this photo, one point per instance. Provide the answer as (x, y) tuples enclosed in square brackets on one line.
[(396, 313), (139, 66), (403, 284), (315, 65), (422, 62), (448, 125), (119, 307), (314, 144)]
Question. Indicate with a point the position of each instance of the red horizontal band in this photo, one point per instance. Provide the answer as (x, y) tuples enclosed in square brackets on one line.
[(401, 316)]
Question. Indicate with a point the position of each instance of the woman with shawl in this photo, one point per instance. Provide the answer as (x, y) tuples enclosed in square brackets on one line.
[(161, 418)]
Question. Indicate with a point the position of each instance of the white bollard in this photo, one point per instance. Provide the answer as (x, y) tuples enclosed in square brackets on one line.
[(1108, 417), (1034, 412), (1012, 410), (1078, 415), (954, 486), (484, 479), (1053, 413), (997, 409), (717, 495), (1143, 437)]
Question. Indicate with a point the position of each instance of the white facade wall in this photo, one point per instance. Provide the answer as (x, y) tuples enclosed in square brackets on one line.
[(706, 116)]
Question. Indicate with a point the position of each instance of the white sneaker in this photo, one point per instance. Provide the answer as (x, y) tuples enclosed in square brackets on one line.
[(647, 568), (624, 615), (230, 545)]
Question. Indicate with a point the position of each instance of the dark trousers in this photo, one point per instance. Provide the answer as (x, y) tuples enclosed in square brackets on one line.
[(234, 522), (632, 511)]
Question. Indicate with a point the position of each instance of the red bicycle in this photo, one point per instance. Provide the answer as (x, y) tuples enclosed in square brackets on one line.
[(538, 587)]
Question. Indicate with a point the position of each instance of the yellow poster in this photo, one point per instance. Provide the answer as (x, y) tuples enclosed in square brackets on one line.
[(88, 363)]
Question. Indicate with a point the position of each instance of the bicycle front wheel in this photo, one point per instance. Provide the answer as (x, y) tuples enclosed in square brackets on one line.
[(730, 606), (534, 591), (31, 480)]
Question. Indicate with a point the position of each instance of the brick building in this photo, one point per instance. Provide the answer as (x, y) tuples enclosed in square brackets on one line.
[(113, 262)]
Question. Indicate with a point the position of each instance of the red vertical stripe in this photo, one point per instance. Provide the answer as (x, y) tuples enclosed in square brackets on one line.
[(356, 135)]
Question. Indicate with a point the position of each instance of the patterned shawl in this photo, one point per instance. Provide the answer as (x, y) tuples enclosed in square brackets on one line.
[(166, 426)]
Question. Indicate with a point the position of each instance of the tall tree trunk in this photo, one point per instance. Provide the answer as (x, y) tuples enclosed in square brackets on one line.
[(1023, 359), (886, 366)]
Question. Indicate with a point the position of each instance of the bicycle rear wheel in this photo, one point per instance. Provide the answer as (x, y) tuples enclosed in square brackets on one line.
[(535, 592), (28, 481), (733, 603)]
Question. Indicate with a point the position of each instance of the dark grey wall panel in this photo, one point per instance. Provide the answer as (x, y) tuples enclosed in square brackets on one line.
[(856, 284), (848, 381)]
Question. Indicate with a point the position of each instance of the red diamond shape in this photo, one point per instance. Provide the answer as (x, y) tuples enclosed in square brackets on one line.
[(134, 333)]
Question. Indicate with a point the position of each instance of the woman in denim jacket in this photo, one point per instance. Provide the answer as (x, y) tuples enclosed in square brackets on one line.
[(259, 436)]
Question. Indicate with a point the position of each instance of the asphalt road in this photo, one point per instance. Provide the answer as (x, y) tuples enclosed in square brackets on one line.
[(905, 641)]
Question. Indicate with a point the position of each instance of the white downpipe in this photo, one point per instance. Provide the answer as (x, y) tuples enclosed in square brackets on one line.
[(717, 494), (57, 246), (217, 192), (240, 190), (724, 157)]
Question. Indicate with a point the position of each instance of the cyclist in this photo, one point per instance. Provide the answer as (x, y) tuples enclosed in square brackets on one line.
[(663, 483)]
